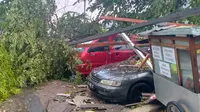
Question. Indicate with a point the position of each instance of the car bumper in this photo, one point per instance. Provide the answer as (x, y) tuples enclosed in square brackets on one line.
[(108, 93)]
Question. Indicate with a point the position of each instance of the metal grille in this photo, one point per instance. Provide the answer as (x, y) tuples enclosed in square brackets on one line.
[(95, 79)]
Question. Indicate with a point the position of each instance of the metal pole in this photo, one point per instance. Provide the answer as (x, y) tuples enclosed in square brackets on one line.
[(132, 45), (84, 6), (84, 11)]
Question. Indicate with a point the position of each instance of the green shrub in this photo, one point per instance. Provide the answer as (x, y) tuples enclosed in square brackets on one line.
[(8, 83), (79, 79), (29, 55)]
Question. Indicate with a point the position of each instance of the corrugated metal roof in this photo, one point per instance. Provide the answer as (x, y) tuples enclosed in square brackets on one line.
[(182, 31)]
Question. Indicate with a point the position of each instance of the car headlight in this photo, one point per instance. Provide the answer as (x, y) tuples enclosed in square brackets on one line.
[(110, 83)]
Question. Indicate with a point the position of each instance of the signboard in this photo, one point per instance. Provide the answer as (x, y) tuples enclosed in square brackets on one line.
[(156, 50), (165, 69), (169, 55)]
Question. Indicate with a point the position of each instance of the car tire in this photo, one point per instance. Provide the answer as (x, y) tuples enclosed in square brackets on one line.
[(175, 107), (135, 93)]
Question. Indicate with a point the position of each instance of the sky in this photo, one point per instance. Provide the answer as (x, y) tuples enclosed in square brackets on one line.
[(67, 5)]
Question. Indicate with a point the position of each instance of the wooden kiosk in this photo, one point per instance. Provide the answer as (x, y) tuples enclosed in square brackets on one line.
[(176, 66)]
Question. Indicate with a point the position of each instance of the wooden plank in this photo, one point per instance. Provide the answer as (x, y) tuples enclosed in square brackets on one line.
[(197, 46), (144, 61), (170, 17), (170, 37), (197, 38), (80, 100), (82, 86), (139, 20), (193, 57), (142, 45), (123, 19), (171, 45)]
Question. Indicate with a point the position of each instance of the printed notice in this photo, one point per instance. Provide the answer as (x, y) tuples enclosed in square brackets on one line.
[(164, 69), (156, 50), (169, 55)]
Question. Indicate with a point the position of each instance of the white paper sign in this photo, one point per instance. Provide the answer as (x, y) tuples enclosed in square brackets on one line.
[(156, 50), (169, 55), (165, 69)]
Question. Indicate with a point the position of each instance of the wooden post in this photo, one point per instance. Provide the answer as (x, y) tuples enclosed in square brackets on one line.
[(180, 78), (193, 57)]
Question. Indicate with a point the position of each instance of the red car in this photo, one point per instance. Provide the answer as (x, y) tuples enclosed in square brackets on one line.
[(97, 56)]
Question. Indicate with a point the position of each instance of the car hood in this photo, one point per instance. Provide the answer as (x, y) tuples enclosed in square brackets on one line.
[(114, 70)]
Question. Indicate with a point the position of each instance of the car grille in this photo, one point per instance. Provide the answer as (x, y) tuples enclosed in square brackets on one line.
[(94, 78)]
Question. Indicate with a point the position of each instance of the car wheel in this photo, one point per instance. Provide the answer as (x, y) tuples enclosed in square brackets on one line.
[(135, 93), (174, 107)]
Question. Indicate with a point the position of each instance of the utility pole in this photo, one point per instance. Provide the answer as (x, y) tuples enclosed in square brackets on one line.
[(84, 6), (84, 10)]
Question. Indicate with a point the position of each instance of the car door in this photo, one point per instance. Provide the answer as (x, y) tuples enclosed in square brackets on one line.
[(120, 52), (98, 56)]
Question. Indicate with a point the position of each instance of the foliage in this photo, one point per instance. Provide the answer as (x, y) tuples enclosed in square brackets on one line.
[(28, 53), (79, 78), (194, 19), (141, 9), (8, 79), (73, 25), (4, 7)]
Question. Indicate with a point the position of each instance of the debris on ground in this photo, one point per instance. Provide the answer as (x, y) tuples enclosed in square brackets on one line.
[(98, 107), (82, 86), (64, 95), (83, 90), (69, 101), (60, 98), (79, 100), (151, 97), (146, 108), (70, 86), (56, 96)]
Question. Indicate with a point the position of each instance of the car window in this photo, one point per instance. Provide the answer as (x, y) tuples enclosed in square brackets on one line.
[(99, 49), (120, 47), (104, 39)]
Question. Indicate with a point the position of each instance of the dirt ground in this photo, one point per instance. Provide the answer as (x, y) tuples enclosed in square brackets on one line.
[(44, 97)]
